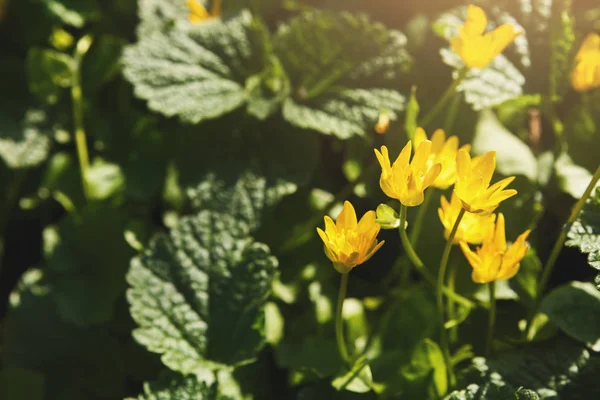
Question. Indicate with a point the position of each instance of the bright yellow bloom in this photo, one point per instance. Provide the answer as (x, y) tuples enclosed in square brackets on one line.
[(473, 183), (199, 13), (586, 74), (443, 152), (473, 228), (493, 260), (407, 181), (349, 243), (476, 48)]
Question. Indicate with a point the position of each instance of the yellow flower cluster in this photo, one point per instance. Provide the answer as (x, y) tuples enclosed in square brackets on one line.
[(586, 74), (199, 13)]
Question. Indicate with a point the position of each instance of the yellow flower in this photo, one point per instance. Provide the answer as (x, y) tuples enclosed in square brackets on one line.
[(199, 13), (493, 260), (473, 183), (443, 152), (473, 228), (349, 243), (403, 181), (586, 74), (476, 48)]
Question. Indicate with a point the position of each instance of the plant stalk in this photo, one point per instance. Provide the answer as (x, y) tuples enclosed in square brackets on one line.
[(440, 300), (339, 332), (492, 320), (558, 245), (444, 99), (416, 228)]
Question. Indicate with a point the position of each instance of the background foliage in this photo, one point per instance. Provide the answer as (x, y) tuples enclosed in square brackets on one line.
[(182, 262)]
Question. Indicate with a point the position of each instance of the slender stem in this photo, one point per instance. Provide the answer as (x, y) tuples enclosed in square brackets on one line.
[(420, 266), (492, 319), (451, 305), (426, 120), (339, 332), (438, 294), (81, 49), (416, 227), (558, 245)]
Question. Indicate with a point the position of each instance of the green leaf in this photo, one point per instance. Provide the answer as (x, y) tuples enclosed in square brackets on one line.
[(160, 15), (571, 178), (24, 139), (576, 310), (513, 157), (76, 363), (102, 62), (525, 283), (198, 73), (104, 180), (491, 391), (21, 384), (49, 73), (562, 38), (198, 294), (558, 368), (585, 231), (180, 388), (73, 12), (426, 373), (340, 87), (358, 380), (87, 259)]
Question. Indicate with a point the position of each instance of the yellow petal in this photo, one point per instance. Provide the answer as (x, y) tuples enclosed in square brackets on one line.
[(330, 228), (383, 158), (197, 11), (437, 141), (484, 167), (470, 255), (463, 163), (431, 175), (374, 250), (475, 22), (404, 156), (419, 161), (420, 137), (502, 36), (367, 222), (500, 234), (591, 43), (347, 218), (323, 236)]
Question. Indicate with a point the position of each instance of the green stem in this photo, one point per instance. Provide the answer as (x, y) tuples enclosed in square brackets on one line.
[(451, 305), (438, 295), (492, 319), (426, 120), (558, 245), (81, 49), (420, 266), (339, 332), (416, 228)]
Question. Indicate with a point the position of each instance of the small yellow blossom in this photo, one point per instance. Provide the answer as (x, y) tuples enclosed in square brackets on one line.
[(473, 228), (443, 151), (472, 185), (349, 243), (383, 123), (407, 181), (586, 74), (494, 260), (199, 13), (477, 48)]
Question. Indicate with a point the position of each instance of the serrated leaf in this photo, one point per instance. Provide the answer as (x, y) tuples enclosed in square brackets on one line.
[(196, 73), (197, 295), (49, 73), (24, 140), (87, 259), (181, 388), (339, 86), (576, 310), (487, 391), (513, 156), (160, 15), (76, 363), (556, 369)]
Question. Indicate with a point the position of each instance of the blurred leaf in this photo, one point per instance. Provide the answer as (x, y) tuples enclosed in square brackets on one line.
[(21, 384), (49, 73), (412, 114), (161, 15), (584, 233), (571, 178), (558, 368), (358, 380), (180, 388), (73, 12), (339, 86), (102, 62), (576, 310), (87, 259), (198, 73), (426, 373), (24, 143), (513, 157), (562, 38), (581, 122), (197, 294), (76, 363), (491, 391), (526, 281), (104, 180)]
